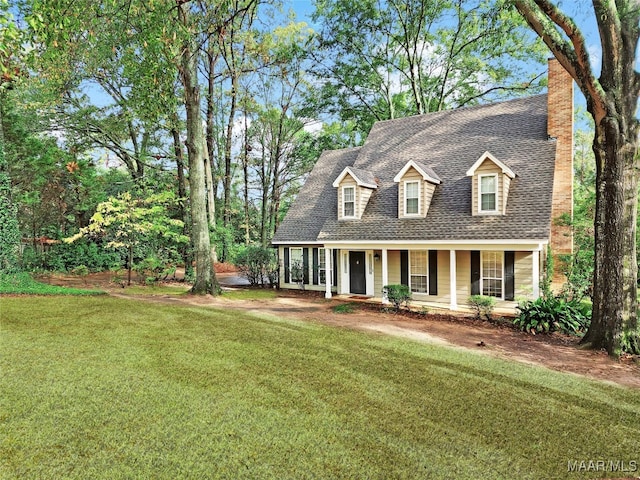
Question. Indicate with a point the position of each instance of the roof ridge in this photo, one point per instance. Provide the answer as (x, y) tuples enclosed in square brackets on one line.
[(461, 109)]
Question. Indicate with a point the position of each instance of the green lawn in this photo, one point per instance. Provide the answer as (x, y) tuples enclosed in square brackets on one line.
[(112, 388)]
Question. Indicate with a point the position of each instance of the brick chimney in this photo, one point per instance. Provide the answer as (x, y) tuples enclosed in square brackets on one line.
[(560, 127)]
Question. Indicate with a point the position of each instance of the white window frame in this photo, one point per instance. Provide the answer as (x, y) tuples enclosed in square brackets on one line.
[(482, 277), (344, 202), (291, 279), (480, 192), (322, 266), (425, 275), (406, 213)]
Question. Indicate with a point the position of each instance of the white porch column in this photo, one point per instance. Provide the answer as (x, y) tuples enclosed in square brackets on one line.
[(385, 273), (452, 280), (535, 273), (328, 275)]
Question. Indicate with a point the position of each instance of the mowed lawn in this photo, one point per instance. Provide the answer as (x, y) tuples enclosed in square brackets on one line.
[(98, 387)]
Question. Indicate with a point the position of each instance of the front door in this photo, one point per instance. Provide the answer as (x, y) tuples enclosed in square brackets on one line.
[(357, 281)]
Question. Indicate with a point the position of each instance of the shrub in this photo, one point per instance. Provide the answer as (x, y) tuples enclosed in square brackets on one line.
[(258, 265), (64, 257), (154, 269), (482, 305), (398, 295), (551, 314)]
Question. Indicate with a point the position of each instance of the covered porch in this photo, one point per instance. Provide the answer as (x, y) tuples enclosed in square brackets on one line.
[(438, 275)]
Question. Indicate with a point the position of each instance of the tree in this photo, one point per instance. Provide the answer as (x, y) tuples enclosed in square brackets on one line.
[(612, 100), (127, 222), (205, 280), (382, 59), (9, 231)]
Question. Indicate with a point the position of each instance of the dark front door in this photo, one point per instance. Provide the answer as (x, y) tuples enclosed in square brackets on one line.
[(357, 281)]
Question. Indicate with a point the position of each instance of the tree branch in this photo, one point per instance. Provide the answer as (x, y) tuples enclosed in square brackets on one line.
[(545, 19)]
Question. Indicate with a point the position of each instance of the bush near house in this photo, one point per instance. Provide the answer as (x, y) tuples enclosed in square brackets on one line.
[(482, 305), (258, 265), (550, 314), (398, 295)]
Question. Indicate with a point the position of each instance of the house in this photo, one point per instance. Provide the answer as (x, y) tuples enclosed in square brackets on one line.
[(452, 204)]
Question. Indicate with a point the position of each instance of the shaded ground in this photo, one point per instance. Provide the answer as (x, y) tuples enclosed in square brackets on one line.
[(558, 352)]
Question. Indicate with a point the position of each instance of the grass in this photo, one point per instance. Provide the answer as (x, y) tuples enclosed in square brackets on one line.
[(156, 289), (249, 294), (113, 388), (23, 283), (344, 308)]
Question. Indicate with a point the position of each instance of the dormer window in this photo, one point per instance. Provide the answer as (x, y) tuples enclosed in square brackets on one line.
[(490, 182), (354, 187), (349, 202), (488, 192), (411, 198), (416, 186)]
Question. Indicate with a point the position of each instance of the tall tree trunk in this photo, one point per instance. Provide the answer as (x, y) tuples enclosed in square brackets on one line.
[(612, 101), (205, 281), (227, 149), (245, 175), (211, 201), (210, 116), (266, 176), (614, 325), (186, 250)]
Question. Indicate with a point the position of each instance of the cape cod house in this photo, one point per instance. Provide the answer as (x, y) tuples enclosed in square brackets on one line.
[(452, 204)]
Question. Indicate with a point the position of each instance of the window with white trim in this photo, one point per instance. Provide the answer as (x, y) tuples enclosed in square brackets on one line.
[(322, 266), (488, 193), (411, 198), (492, 273), (348, 202), (296, 265), (418, 271)]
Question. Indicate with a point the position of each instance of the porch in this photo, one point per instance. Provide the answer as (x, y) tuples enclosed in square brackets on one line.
[(438, 276)]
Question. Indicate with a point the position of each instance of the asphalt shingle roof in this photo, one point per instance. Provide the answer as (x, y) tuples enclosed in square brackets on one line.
[(317, 199), (363, 176), (448, 143)]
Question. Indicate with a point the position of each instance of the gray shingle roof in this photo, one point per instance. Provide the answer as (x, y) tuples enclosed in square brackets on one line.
[(448, 143), (317, 199), (363, 176)]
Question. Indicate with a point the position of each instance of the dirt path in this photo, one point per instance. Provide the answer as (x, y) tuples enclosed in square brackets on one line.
[(557, 352)]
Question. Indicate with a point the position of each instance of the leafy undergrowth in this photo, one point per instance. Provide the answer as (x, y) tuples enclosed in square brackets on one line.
[(114, 388), (24, 284)]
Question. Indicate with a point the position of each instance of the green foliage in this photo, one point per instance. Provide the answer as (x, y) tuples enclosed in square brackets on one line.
[(23, 284), (81, 271), (135, 225), (553, 313), (154, 269), (64, 257), (482, 305), (372, 60), (344, 308), (227, 240), (258, 265), (398, 295), (9, 230)]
